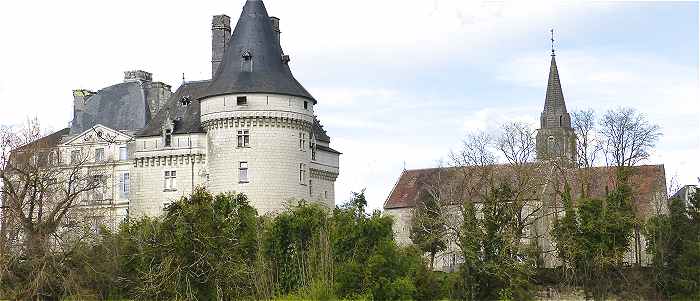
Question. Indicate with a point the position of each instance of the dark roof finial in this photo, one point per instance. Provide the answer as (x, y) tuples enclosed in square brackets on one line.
[(552, 31)]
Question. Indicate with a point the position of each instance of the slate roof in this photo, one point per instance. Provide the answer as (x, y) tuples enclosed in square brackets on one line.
[(648, 184), (48, 141), (319, 132), (270, 71), (328, 149), (186, 118), (554, 104), (121, 107)]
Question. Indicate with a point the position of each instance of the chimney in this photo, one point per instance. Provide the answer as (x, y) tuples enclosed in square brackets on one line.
[(137, 75), (220, 36), (276, 27), (80, 100)]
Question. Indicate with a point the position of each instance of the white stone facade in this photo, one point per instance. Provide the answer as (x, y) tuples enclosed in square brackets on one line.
[(279, 154)]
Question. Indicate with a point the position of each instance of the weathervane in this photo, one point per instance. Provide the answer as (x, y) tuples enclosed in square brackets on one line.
[(552, 31)]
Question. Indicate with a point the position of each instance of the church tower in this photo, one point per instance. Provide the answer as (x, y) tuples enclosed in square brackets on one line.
[(555, 138)]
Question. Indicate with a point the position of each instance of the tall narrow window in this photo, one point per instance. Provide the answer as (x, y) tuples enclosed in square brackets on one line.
[(168, 138), (124, 185), (123, 153), (311, 193), (99, 184), (247, 62), (306, 105), (302, 141), (243, 172), (170, 180), (302, 173), (99, 154), (75, 157), (243, 138)]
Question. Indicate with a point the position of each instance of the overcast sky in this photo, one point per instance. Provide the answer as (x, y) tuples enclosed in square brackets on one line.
[(399, 83)]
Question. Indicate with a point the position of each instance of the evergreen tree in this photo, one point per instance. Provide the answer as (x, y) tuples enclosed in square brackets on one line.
[(428, 229), (674, 243)]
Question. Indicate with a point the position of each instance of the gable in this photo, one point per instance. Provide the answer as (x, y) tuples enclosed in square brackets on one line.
[(98, 134)]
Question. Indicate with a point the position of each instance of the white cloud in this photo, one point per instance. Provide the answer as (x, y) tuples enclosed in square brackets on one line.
[(666, 92)]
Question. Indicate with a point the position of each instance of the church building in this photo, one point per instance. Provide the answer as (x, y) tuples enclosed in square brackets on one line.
[(555, 143)]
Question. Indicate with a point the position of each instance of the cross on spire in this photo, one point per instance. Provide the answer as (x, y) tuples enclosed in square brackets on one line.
[(552, 31)]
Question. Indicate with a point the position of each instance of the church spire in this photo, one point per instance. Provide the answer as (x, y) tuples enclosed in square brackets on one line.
[(555, 138), (554, 113)]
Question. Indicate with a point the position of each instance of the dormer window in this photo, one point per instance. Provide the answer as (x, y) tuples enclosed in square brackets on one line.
[(185, 101), (168, 137), (242, 100), (247, 61)]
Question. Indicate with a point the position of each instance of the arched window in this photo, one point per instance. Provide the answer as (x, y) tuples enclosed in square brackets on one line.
[(560, 120)]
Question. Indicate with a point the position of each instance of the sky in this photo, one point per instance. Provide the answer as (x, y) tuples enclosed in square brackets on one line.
[(399, 83)]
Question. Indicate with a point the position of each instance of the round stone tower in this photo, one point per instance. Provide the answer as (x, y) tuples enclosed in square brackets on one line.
[(258, 118)]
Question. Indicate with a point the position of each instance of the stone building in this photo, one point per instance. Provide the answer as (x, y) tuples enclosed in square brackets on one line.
[(555, 142), (251, 128), (555, 138)]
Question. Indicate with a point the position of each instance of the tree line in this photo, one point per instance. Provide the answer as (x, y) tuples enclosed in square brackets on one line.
[(485, 203)]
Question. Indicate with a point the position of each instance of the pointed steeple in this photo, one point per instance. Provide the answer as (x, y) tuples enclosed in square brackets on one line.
[(555, 138), (554, 113), (254, 61)]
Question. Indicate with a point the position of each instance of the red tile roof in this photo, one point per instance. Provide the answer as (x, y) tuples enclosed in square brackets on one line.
[(648, 185)]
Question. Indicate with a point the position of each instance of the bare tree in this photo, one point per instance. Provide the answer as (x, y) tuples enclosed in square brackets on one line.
[(516, 143), (42, 196), (587, 144), (628, 137)]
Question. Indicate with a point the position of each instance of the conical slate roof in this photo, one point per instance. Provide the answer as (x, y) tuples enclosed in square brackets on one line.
[(554, 113), (254, 61), (554, 101)]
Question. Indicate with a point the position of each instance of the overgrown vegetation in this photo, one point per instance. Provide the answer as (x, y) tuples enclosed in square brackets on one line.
[(209, 247), (674, 243)]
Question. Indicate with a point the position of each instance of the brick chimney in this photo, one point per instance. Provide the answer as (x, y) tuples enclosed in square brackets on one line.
[(220, 36)]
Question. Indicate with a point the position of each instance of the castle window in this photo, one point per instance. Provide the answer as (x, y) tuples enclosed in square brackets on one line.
[(302, 173), (302, 141), (560, 120), (170, 181), (168, 138), (247, 62), (306, 105), (99, 154), (243, 172), (244, 138), (124, 185), (98, 192), (311, 194), (185, 101), (75, 157), (242, 100), (123, 153), (325, 194)]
